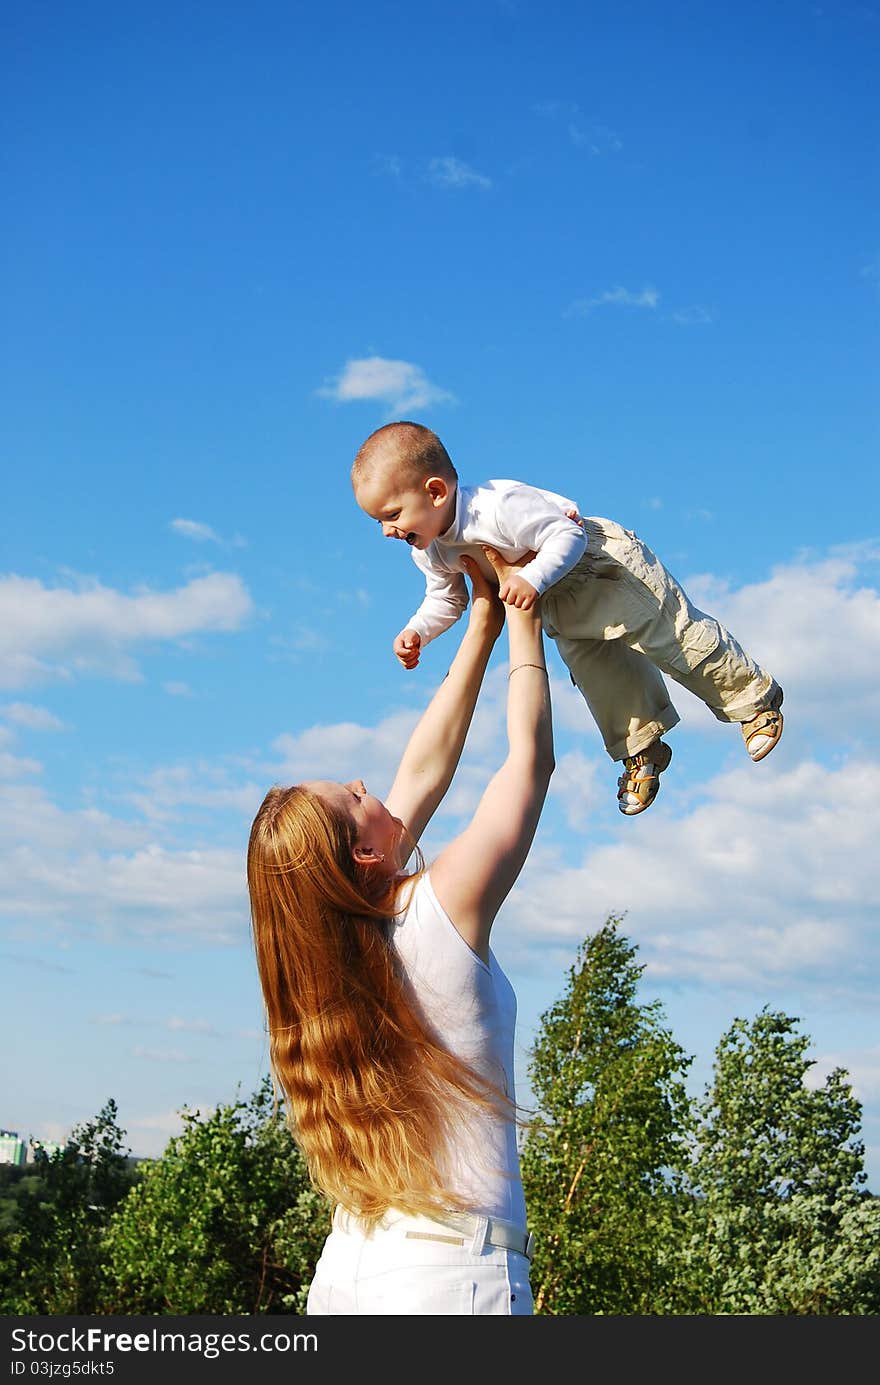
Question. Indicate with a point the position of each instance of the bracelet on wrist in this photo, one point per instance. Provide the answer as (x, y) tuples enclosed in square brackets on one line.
[(517, 668)]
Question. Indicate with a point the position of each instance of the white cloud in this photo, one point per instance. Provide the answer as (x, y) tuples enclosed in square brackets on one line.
[(60, 632), (87, 871), (597, 138), (188, 892), (164, 793), (34, 718), (345, 750), (348, 749), (151, 1133), (584, 133), (194, 529), (12, 766), (759, 873), (191, 1026), (863, 1066), (161, 1055), (149, 893), (816, 623), (577, 783), (28, 817), (619, 297), (694, 316), (449, 172), (401, 385), (761, 883), (303, 640)]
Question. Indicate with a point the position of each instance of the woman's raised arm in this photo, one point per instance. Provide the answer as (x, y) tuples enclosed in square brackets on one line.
[(434, 748), (473, 875)]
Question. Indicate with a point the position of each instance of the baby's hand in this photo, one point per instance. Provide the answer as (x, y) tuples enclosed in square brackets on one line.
[(407, 646), (575, 515), (516, 591)]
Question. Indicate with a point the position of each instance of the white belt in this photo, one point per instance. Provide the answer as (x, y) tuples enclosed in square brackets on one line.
[(506, 1235), (490, 1231)]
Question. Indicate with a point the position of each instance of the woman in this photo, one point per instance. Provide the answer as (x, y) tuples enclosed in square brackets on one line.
[(390, 1022)]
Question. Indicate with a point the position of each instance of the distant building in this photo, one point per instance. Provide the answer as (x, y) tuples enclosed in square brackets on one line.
[(12, 1149), (47, 1147)]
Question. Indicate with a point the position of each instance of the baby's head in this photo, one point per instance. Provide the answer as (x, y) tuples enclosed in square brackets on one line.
[(402, 476)]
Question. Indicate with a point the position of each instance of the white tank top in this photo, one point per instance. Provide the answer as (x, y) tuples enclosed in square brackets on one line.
[(471, 1007)]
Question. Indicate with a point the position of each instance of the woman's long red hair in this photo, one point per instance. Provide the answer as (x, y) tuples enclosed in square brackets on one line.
[(371, 1094)]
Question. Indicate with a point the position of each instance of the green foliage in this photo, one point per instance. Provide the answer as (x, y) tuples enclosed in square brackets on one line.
[(612, 1117), (50, 1248), (225, 1222), (778, 1222), (641, 1200), (18, 1187)]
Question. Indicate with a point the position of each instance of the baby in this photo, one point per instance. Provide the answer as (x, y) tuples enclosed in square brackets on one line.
[(619, 619)]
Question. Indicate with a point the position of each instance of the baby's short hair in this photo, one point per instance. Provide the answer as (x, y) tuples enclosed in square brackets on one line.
[(411, 449)]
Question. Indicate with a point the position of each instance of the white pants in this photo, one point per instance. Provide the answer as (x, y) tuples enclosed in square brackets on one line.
[(413, 1265), (621, 621)]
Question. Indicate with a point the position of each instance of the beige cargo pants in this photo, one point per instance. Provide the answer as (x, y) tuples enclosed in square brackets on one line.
[(621, 621)]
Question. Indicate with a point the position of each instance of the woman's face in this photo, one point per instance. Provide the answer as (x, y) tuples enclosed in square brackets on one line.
[(378, 835)]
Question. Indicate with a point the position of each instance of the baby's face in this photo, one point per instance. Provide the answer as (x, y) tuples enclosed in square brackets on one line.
[(418, 514)]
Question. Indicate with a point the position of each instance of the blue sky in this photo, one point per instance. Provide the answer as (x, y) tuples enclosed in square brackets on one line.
[(629, 252)]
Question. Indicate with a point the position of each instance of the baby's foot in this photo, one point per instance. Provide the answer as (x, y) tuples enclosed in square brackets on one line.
[(763, 731), (638, 785)]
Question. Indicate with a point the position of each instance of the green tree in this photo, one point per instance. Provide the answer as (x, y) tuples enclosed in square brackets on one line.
[(225, 1222), (612, 1117), (18, 1186), (779, 1222), (51, 1250)]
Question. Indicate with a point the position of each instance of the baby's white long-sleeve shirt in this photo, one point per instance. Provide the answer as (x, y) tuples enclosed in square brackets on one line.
[(510, 516)]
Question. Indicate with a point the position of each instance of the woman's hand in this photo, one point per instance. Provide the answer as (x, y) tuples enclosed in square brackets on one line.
[(485, 604), (513, 590)]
